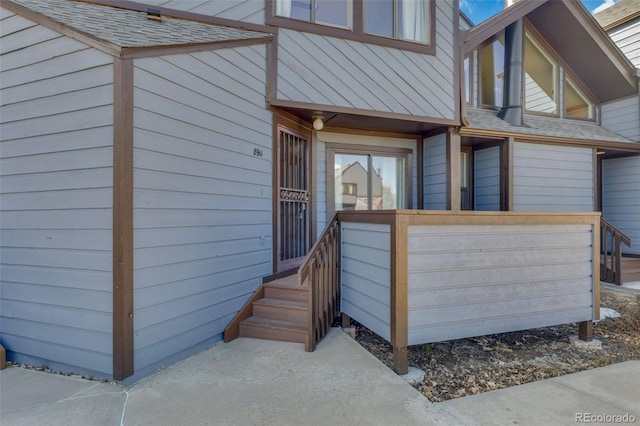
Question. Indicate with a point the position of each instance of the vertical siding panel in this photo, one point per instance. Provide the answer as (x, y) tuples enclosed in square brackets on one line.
[(621, 197), (487, 179), (56, 198), (552, 178), (202, 200), (435, 172)]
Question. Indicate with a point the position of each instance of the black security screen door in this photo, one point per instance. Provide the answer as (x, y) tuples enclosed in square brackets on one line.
[(293, 199)]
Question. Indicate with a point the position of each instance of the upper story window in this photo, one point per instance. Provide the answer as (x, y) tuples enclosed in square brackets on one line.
[(540, 79), (576, 104), (467, 79), (543, 93), (402, 24), (492, 73), (329, 12), (401, 19)]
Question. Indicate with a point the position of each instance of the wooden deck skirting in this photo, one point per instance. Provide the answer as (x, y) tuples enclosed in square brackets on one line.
[(400, 221)]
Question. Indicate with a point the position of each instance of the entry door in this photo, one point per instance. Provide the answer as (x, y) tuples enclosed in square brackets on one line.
[(293, 212)]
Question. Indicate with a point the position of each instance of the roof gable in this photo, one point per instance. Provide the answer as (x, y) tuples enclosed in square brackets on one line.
[(114, 29), (575, 35)]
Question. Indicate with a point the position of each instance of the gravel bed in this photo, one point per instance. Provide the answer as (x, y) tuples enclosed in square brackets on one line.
[(471, 366)]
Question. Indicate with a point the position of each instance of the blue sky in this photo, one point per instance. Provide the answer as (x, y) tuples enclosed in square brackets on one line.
[(480, 10)]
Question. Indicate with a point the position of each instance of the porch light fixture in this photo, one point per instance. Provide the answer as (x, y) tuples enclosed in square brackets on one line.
[(318, 122)]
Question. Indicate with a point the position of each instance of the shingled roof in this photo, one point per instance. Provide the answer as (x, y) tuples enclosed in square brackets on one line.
[(618, 14), (132, 29), (535, 125)]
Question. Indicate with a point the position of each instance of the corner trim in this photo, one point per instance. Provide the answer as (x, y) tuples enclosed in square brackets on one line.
[(122, 219)]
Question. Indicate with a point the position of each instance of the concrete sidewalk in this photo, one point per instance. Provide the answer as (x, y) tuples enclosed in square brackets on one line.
[(257, 382)]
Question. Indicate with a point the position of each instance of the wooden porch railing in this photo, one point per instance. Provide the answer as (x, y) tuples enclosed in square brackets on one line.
[(321, 269), (611, 252)]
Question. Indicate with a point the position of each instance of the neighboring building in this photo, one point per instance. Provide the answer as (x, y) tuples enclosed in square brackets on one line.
[(156, 172), (621, 176)]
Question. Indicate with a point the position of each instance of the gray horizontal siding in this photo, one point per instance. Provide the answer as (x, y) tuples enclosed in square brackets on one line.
[(56, 196), (486, 177), (240, 10), (330, 71), (435, 172), (366, 276), (202, 200), (621, 197), (627, 37), (473, 280), (623, 117), (552, 178)]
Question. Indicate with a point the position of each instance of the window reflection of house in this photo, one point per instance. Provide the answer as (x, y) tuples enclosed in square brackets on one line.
[(355, 194)]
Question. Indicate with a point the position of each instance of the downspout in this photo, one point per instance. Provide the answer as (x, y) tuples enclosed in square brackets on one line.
[(511, 112)]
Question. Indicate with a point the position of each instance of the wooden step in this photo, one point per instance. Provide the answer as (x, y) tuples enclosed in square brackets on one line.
[(281, 309), (630, 269), (273, 329), (286, 289)]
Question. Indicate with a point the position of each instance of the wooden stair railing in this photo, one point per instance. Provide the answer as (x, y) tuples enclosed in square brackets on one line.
[(321, 270), (611, 240)]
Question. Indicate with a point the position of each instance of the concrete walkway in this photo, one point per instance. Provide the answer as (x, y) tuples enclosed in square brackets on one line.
[(256, 382)]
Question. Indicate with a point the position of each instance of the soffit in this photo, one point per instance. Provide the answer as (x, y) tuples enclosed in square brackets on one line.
[(364, 122), (586, 49)]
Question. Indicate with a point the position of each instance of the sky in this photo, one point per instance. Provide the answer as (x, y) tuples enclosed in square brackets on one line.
[(481, 10)]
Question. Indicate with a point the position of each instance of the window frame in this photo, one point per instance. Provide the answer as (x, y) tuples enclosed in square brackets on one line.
[(488, 43), (549, 56), (356, 31), (569, 78), (338, 148)]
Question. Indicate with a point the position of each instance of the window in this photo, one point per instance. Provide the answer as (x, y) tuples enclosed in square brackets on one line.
[(467, 79), (330, 12), (492, 73), (576, 104), (540, 79), (350, 188), (369, 181), (401, 19), (403, 24)]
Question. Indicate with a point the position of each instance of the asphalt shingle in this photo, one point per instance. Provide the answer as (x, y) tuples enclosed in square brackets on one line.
[(128, 28), (484, 119)]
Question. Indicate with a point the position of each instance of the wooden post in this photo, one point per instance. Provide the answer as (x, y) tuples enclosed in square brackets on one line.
[(3, 358), (346, 321), (585, 331), (399, 294), (400, 360), (453, 170)]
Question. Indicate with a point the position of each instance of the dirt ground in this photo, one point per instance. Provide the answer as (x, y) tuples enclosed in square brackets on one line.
[(470, 366)]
